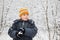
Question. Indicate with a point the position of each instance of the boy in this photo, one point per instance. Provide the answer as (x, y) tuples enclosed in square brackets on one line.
[(23, 28)]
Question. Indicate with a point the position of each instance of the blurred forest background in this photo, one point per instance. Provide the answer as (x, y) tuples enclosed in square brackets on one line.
[(45, 13)]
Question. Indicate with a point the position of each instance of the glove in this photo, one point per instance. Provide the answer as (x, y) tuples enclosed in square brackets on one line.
[(20, 32)]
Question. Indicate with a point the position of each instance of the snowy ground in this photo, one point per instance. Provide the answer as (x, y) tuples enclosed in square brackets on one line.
[(4, 35)]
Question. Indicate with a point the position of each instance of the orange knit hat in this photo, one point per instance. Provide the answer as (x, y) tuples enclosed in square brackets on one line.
[(23, 11)]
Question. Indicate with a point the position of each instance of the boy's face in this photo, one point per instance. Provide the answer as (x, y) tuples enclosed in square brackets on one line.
[(24, 17)]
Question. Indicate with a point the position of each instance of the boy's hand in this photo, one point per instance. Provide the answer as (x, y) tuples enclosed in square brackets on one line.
[(20, 32)]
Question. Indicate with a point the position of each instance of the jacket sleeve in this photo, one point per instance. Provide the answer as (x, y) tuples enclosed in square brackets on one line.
[(31, 31), (12, 31)]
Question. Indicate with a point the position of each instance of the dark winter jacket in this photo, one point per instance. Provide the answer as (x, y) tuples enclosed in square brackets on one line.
[(29, 26)]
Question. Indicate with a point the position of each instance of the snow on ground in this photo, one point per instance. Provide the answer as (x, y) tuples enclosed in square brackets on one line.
[(4, 35)]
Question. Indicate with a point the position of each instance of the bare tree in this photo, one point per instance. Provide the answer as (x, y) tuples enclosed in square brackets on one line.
[(47, 19), (2, 17)]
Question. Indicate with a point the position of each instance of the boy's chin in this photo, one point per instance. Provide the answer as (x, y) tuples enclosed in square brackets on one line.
[(25, 19)]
